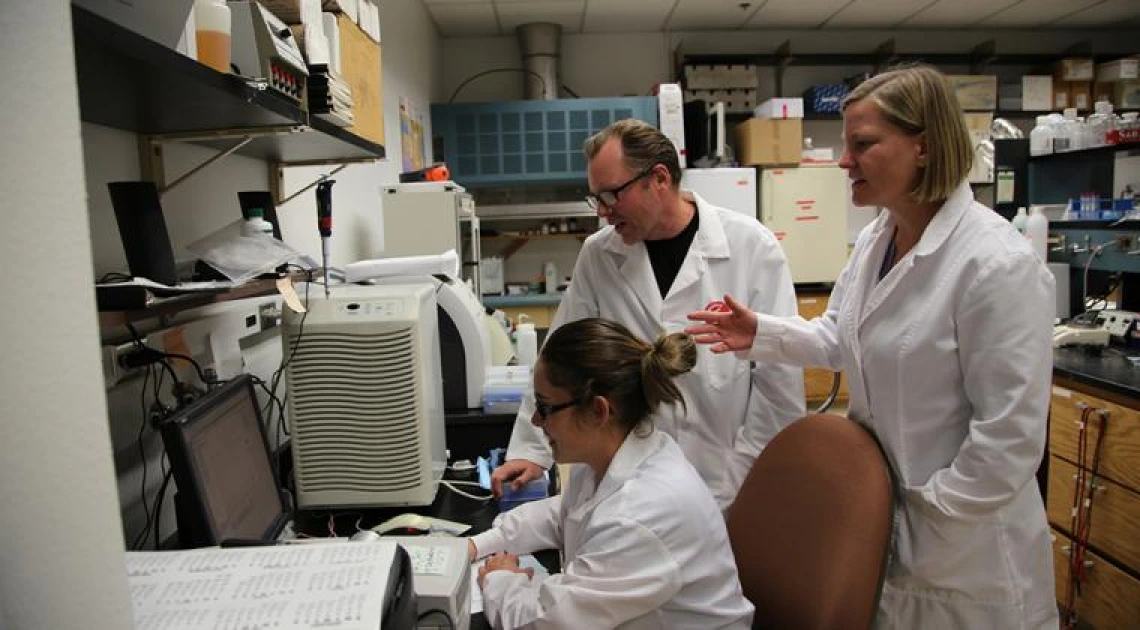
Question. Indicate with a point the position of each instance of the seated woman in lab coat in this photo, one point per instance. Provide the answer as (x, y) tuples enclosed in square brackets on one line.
[(941, 321), (644, 544)]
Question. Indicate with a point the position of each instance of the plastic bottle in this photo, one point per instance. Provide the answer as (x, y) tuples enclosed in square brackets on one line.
[(526, 339), (1019, 220), (1041, 138), (212, 35), (1037, 231), (256, 225)]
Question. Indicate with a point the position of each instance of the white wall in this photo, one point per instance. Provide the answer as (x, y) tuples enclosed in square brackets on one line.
[(61, 552), (208, 201)]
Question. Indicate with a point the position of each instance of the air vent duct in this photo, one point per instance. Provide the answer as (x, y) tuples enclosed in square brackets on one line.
[(540, 45)]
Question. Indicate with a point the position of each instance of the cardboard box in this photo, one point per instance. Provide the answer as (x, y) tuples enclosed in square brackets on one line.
[(767, 142), (975, 91), (780, 108), (1060, 95), (1037, 93), (1074, 70), (360, 69), (1126, 95), (1080, 95), (671, 116), (720, 76), (1103, 92), (1120, 70)]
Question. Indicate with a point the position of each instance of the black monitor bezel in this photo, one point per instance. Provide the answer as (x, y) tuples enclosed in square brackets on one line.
[(195, 511)]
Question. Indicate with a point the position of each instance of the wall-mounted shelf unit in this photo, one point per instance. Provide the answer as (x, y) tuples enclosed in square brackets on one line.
[(129, 82), (173, 304)]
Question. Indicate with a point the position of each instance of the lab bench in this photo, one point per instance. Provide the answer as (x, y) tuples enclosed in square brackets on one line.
[(1101, 393)]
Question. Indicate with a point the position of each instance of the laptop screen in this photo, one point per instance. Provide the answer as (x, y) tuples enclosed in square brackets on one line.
[(222, 466)]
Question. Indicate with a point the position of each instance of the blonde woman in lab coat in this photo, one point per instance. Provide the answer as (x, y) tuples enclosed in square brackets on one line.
[(643, 542), (941, 322)]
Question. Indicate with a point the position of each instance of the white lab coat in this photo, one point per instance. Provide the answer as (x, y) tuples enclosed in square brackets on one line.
[(647, 548), (732, 411), (948, 361)]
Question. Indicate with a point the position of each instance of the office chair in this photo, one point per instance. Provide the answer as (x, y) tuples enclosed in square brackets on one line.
[(811, 526)]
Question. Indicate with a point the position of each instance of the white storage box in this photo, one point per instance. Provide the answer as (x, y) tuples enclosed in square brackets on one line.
[(780, 108), (1037, 93)]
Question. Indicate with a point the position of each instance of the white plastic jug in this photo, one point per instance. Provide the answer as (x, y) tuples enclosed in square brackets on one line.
[(526, 340), (212, 20)]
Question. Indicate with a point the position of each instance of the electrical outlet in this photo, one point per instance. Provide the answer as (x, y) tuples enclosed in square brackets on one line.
[(114, 372)]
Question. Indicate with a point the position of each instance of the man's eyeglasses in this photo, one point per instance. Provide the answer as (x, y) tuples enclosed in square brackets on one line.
[(609, 197), (545, 410)]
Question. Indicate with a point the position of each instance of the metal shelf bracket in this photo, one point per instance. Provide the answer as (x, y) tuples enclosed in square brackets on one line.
[(152, 163)]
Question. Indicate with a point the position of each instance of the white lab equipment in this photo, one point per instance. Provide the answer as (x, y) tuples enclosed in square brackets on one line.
[(442, 579), (426, 218), (365, 396), (1019, 220), (806, 208), (256, 225), (1066, 335)]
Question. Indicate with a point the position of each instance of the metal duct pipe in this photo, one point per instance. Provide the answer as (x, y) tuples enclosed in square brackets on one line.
[(540, 45)]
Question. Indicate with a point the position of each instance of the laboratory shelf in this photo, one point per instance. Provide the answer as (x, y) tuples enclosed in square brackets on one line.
[(1082, 154), (129, 82), (172, 305)]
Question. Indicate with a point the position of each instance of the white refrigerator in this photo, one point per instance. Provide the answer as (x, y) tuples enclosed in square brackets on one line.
[(806, 208), (729, 188)]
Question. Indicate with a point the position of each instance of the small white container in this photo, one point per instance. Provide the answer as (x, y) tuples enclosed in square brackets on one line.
[(1041, 138), (256, 225)]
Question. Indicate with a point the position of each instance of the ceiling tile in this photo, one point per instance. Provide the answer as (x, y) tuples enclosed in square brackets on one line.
[(957, 13), (464, 20), (1032, 13), (700, 15), (1110, 13), (566, 13), (876, 13), (609, 16), (795, 13)]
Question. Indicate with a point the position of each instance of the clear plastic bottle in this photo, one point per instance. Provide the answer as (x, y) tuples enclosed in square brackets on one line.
[(1019, 220), (1037, 231), (212, 36), (1041, 138), (255, 224)]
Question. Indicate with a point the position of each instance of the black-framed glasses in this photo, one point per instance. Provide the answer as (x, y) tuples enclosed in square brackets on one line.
[(545, 410), (610, 197)]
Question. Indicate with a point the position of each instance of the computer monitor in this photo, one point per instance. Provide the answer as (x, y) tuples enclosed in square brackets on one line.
[(220, 458)]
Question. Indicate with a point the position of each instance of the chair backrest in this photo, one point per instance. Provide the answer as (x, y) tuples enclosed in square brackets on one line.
[(811, 526)]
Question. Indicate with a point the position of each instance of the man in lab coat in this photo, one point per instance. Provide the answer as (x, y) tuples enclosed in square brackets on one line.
[(665, 253)]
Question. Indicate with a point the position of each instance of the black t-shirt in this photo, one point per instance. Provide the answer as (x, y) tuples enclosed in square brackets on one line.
[(666, 255)]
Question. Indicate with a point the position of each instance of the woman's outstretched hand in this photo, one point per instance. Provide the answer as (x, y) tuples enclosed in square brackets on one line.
[(729, 328)]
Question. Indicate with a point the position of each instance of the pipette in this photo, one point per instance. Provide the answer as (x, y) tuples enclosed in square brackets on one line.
[(324, 224)]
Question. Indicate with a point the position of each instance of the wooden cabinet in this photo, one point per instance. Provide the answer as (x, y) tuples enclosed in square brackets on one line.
[(541, 315), (817, 381), (1109, 593)]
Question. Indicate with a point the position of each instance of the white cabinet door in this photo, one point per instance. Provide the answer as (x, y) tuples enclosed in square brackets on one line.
[(806, 208)]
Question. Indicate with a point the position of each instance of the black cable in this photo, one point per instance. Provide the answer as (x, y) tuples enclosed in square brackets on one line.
[(197, 366), (139, 539), (436, 611), (135, 334), (158, 508), (493, 71), (570, 92)]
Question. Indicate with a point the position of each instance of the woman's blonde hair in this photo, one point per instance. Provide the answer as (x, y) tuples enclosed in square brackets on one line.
[(598, 357), (919, 99)]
